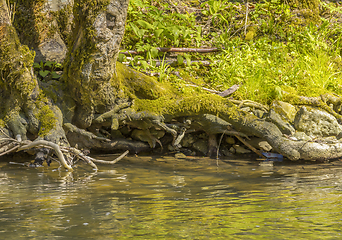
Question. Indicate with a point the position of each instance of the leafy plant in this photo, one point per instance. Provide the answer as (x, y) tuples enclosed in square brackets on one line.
[(47, 70)]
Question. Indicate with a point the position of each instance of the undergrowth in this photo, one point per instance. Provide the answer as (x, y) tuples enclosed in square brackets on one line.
[(276, 48)]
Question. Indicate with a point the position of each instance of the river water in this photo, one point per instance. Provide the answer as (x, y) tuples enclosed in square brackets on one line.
[(168, 198)]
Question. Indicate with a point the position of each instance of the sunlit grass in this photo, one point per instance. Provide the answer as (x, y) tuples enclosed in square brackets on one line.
[(283, 56)]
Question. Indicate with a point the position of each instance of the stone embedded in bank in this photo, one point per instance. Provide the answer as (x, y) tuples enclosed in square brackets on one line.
[(315, 122)]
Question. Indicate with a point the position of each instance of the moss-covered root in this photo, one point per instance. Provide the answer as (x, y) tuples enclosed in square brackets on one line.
[(328, 102), (249, 124)]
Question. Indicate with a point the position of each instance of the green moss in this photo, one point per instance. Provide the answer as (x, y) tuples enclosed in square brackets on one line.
[(133, 84), (15, 63), (308, 8), (47, 120), (192, 105), (32, 23), (64, 21), (2, 123), (304, 4)]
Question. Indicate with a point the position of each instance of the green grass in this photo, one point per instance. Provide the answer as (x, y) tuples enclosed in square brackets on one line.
[(283, 52)]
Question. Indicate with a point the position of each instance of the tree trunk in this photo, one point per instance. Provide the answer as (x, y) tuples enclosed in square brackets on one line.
[(91, 61)]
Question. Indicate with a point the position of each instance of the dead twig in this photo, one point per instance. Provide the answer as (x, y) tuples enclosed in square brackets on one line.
[(250, 147), (111, 162), (11, 150), (165, 49), (225, 93)]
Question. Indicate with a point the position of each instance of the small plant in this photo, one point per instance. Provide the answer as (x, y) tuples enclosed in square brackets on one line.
[(47, 70)]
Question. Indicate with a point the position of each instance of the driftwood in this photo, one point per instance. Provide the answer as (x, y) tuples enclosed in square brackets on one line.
[(225, 93), (15, 145), (164, 49)]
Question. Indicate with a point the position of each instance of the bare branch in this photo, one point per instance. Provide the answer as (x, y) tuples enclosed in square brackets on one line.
[(111, 162), (49, 144), (165, 49)]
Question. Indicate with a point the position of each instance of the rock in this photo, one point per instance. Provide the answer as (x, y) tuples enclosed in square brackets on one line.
[(201, 146), (283, 126), (56, 5), (226, 152), (314, 122), (259, 144), (301, 136), (188, 140), (286, 110), (157, 133), (230, 140), (259, 113), (241, 150), (265, 146), (180, 155), (245, 109), (52, 49)]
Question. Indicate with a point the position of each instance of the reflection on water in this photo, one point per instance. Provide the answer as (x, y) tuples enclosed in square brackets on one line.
[(166, 198)]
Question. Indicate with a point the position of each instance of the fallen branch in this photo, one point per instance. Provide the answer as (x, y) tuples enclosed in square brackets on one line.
[(49, 144), (8, 151), (171, 62), (225, 93), (250, 147), (165, 49), (111, 162)]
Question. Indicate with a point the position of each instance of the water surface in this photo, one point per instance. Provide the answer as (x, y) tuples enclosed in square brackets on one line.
[(168, 198)]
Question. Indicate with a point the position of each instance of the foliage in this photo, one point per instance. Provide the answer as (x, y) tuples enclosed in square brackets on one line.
[(278, 48), (47, 70)]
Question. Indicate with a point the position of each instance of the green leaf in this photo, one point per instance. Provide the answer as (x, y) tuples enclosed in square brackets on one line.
[(144, 64), (157, 32), (58, 65), (55, 75), (141, 33), (144, 24), (44, 73), (154, 52), (36, 65), (180, 59), (188, 60), (121, 57), (48, 64), (135, 29)]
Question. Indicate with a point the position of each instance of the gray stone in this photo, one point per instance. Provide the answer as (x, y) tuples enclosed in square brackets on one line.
[(201, 146), (259, 113), (188, 140), (301, 136), (52, 49), (56, 5), (230, 140), (286, 110), (314, 122), (180, 155), (259, 144), (241, 150), (283, 126)]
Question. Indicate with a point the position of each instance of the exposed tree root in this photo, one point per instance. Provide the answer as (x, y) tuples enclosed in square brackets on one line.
[(60, 151)]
